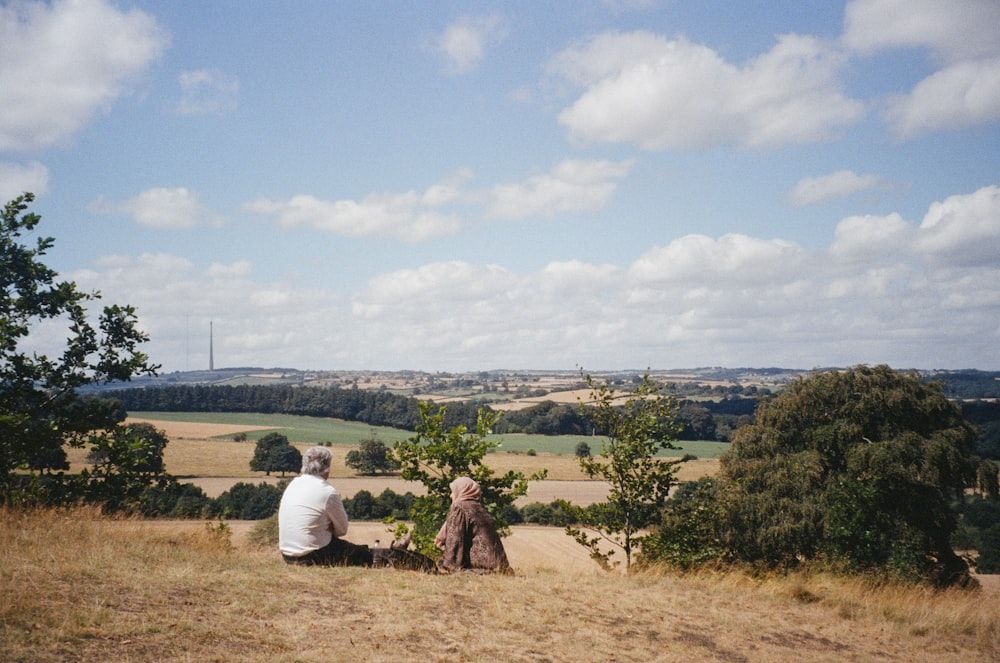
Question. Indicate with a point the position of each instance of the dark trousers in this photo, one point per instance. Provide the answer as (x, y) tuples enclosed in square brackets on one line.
[(337, 553)]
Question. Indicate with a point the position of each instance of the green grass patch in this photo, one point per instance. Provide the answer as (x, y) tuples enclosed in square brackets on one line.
[(319, 430)]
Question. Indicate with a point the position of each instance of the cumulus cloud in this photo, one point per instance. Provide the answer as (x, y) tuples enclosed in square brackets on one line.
[(207, 92), (955, 30), (963, 230), (161, 208), (254, 321), (464, 42), (16, 178), (63, 63), (409, 216), (960, 95), (573, 186), (659, 93), (841, 184), (909, 293), (732, 257), (961, 36), (860, 238)]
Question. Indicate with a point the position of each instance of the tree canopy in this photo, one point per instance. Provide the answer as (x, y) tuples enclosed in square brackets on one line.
[(860, 467), (40, 407), (273, 453), (371, 457)]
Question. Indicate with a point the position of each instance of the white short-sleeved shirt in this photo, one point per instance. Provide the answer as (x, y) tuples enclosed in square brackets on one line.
[(310, 515)]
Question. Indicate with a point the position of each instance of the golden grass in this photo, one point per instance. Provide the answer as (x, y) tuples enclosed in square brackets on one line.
[(122, 590)]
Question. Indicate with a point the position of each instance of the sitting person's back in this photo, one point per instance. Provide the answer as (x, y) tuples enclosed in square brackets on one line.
[(469, 538), (311, 518)]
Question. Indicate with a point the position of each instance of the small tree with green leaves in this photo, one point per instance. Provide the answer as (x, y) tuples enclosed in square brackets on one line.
[(273, 453), (436, 457), (125, 462), (371, 457), (636, 425)]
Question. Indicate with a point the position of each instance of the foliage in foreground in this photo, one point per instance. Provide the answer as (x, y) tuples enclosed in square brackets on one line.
[(436, 456), (637, 426), (41, 410), (857, 468)]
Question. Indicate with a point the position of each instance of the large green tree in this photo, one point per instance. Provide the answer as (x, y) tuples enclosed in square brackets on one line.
[(371, 457), (860, 467), (273, 453), (40, 407), (636, 425)]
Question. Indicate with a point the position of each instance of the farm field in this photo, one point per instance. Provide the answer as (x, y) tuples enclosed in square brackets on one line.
[(317, 430), (204, 453)]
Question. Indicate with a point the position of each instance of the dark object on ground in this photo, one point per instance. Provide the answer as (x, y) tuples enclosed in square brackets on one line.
[(403, 560)]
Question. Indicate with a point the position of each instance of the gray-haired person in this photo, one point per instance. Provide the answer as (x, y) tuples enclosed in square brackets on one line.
[(312, 520)]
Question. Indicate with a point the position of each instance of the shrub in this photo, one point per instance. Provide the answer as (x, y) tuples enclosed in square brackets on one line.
[(245, 501), (264, 533), (389, 504), (558, 513)]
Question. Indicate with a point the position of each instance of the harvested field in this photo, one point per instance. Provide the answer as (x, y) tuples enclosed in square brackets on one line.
[(188, 430), (197, 455)]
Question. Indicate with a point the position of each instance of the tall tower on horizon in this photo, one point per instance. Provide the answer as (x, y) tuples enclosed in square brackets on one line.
[(211, 347)]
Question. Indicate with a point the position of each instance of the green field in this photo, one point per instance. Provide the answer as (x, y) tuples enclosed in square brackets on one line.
[(317, 430)]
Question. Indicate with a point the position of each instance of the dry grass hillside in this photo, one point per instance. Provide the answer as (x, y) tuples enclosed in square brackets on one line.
[(106, 590), (75, 586)]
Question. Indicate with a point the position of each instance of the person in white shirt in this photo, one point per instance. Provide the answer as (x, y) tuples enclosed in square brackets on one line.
[(312, 520)]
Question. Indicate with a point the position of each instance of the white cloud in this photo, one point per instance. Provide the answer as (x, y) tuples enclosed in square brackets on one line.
[(62, 63), (841, 184), (464, 41), (954, 30), (253, 321), (409, 216), (731, 258), (863, 237), (884, 290), (960, 95), (963, 230), (16, 178), (962, 36), (207, 92), (573, 186), (672, 94), (162, 208)]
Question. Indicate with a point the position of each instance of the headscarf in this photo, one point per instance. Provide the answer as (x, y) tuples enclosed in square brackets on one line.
[(462, 489)]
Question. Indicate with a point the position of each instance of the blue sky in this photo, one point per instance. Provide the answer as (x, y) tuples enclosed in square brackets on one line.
[(467, 186)]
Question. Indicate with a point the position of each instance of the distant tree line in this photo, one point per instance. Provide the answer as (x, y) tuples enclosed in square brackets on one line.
[(374, 407), (700, 420)]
